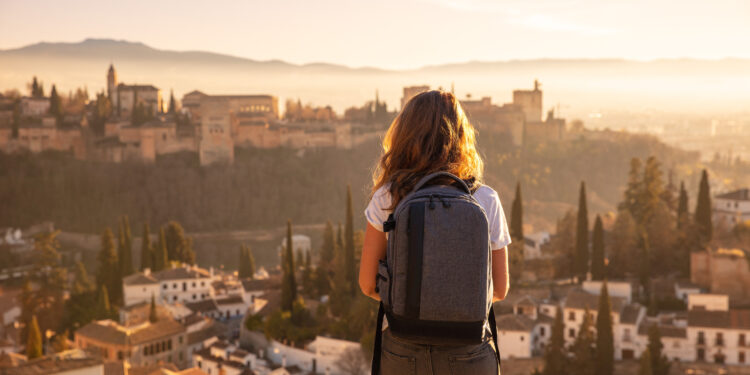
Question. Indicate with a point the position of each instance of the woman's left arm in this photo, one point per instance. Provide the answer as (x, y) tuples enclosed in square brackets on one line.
[(373, 251)]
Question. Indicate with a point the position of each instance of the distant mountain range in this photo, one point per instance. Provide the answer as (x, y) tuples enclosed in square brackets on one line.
[(581, 85)]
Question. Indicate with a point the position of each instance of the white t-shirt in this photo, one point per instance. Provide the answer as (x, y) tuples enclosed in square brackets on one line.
[(376, 213)]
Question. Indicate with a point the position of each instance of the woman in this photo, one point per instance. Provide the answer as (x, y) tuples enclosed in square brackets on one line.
[(431, 134)]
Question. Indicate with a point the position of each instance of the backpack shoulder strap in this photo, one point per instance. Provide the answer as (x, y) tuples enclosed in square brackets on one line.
[(378, 341), (429, 177), (493, 328)]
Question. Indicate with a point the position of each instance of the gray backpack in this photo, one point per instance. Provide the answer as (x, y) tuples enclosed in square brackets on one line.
[(435, 282)]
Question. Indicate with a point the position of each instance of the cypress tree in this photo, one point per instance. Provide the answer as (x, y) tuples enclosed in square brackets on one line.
[(146, 251), (289, 284), (605, 346), (582, 235), (340, 247), (598, 267), (703, 209), (583, 349), (126, 256), (108, 273), (349, 243), (633, 190), (659, 363), (172, 103), (33, 340), (55, 104), (103, 307), (555, 355), (516, 216), (682, 206), (645, 364), (652, 189), (152, 317), (327, 250)]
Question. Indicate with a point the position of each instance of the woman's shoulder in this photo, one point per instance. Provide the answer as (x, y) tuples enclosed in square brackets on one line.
[(485, 191)]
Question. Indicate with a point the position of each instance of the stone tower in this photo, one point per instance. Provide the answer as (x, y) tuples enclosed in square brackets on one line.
[(111, 83)]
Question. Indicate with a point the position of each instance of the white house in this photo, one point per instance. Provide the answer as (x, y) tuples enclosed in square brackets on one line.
[(320, 356), (733, 207), (710, 302), (177, 284), (224, 358), (532, 244), (515, 335)]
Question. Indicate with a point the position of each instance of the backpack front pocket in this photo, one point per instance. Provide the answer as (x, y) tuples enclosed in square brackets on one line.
[(383, 282)]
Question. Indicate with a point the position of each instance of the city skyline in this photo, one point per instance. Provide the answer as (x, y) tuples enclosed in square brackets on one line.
[(330, 30)]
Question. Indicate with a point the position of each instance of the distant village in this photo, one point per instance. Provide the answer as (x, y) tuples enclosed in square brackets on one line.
[(135, 122), (176, 317)]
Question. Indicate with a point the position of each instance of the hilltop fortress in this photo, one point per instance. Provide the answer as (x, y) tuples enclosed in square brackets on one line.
[(132, 122)]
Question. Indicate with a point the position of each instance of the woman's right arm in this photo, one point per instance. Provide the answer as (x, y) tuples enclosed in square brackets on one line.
[(500, 275), (373, 251)]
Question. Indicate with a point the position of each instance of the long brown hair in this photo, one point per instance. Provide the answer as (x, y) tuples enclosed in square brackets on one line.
[(430, 134)]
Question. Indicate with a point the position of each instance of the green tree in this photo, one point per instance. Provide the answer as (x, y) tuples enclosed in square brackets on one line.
[(179, 247), (247, 262), (81, 281), (55, 104), (624, 243), (516, 216), (583, 349), (582, 235), (651, 192), (328, 248), (703, 209), (146, 250), (598, 266), (555, 355), (103, 307), (631, 199), (36, 88), (289, 284), (682, 207), (659, 363), (645, 364), (108, 273), (351, 277), (605, 346), (172, 103), (152, 317), (33, 340), (125, 254)]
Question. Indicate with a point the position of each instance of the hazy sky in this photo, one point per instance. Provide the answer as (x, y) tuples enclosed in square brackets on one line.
[(395, 33)]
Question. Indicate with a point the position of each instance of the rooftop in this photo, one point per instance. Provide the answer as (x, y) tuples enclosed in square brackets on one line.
[(108, 331), (731, 319), (737, 195), (664, 330), (514, 322)]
